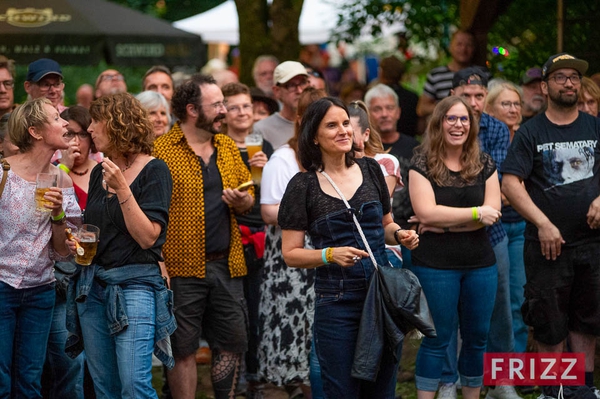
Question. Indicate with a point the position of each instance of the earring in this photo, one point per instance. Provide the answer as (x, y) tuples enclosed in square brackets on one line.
[(316, 142)]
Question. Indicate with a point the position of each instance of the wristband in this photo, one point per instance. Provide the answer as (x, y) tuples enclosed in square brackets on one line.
[(329, 255), (324, 256), (64, 167), (396, 236), (60, 219), (475, 213)]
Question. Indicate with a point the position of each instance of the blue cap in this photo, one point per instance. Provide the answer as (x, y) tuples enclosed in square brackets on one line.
[(42, 67)]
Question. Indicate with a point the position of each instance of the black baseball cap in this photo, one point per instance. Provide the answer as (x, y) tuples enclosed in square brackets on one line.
[(563, 60), (470, 76)]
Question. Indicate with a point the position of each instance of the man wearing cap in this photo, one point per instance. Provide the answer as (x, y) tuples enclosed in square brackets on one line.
[(556, 155), (290, 80), (494, 138), (534, 100), (45, 79)]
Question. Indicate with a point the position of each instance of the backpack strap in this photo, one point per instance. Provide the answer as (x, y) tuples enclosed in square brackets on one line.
[(6, 167)]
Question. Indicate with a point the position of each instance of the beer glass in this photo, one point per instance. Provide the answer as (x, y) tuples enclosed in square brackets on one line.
[(43, 182), (88, 240), (254, 143)]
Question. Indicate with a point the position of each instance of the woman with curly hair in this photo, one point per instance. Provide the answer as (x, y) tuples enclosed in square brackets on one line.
[(128, 199), (455, 193)]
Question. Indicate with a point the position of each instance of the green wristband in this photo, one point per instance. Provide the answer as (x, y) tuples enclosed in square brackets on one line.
[(64, 167), (59, 217), (475, 213)]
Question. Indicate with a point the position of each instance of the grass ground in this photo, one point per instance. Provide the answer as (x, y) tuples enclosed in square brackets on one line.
[(405, 388)]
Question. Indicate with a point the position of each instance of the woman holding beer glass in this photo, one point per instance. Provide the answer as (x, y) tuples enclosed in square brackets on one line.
[(30, 241), (128, 199)]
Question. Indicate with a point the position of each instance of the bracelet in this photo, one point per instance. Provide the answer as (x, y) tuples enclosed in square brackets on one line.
[(126, 199), (324, 256), (475, 213), (329, 255), (64, 167), (396, 236), (60, 219)]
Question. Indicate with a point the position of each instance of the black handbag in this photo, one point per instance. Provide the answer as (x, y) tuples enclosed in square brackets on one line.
[(394, 307)]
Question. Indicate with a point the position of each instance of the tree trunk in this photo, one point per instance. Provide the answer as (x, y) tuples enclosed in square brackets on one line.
[(267, 30)]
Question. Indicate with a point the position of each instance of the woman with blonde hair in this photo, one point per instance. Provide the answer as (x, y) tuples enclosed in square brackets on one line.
[(31, 240), (589, 97), (455, 193), (128, 199), (504, 102)]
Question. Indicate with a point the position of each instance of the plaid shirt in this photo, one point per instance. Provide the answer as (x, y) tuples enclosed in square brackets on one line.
[(494, 139)]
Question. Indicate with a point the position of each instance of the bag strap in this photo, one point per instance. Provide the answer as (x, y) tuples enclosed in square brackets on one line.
[(6, 167), (360, 231)]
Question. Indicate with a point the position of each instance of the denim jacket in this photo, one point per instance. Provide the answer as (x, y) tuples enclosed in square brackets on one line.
[(116, 279)]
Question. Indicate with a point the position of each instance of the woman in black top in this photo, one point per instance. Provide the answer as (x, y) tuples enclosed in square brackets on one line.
[(343, 265), (123, 304), (455, 193)]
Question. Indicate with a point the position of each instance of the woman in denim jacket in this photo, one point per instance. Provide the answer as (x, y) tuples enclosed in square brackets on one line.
[(343, 266)]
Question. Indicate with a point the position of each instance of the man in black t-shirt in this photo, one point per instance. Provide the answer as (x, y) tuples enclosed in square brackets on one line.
[(556, 155)]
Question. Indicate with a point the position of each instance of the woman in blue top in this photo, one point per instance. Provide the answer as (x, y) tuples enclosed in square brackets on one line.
[(343, 266)]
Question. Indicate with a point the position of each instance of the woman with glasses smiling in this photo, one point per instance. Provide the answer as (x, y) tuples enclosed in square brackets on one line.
[(455, 193), (75, 160), (504, 102)]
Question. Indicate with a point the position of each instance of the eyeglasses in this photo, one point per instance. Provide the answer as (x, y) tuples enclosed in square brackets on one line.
[(8, 84), (295, 86), (236, 109), (116, 77), (507, 104), (561, 79), (216, 106), (82, 135), (45, 86), (452, 119)]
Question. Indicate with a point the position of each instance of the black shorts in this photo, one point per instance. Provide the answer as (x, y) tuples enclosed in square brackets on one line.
[(213, 306), (562, 295)]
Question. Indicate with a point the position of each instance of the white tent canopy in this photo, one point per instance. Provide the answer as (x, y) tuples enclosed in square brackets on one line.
[(220, 24)]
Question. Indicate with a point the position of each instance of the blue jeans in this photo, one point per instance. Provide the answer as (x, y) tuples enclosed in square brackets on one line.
[(63, 376), (25, 319), (499, 339), (464, 296), (516, 239), (120, 365), (337, 318), (316, 385)]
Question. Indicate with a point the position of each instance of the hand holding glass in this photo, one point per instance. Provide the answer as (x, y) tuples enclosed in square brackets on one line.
[(43, 182), (88, 240)]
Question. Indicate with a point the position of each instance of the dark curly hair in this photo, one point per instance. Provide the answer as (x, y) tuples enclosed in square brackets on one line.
[(127, 125), (189, 93), (310, 154)]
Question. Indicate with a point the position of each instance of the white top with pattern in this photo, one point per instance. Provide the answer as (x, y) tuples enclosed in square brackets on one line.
[(25, 251)]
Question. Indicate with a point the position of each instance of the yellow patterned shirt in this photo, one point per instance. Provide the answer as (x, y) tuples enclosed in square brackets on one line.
[(185, 249)]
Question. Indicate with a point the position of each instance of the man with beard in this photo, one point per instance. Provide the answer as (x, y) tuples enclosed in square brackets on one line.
[(534, 100), (562, 235), (203, 252)]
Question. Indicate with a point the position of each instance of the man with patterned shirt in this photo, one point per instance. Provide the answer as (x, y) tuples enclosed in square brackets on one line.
[(203, 252)]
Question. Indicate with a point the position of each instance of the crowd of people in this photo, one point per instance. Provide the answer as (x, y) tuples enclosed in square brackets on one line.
[(487, 190)]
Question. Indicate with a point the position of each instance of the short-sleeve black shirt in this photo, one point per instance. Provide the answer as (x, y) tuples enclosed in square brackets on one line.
[(152, 190)]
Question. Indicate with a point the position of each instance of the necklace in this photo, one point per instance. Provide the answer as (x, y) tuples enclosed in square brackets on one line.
[(81, 173), (127, 164)]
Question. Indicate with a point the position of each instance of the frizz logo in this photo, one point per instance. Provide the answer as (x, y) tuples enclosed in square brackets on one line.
[(534, 369)]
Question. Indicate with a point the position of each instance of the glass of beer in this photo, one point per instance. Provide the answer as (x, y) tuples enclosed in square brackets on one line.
[(88, 244), (43, 182), (254, 143)]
